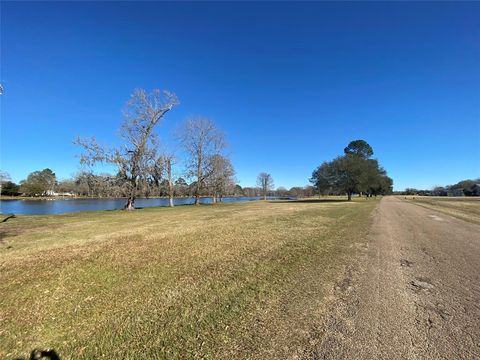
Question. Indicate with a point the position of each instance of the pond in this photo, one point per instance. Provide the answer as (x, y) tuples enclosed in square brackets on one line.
[(62, 206)]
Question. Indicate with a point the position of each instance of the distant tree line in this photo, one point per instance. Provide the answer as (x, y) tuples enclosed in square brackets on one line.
[(355, 172), (89, 184), (7, 186), (37, 182), (462, 188)]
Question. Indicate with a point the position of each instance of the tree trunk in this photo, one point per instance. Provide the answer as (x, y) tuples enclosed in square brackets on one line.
[(197, 194), (170, 182), (199, 178), (131, 197), (264, 196), (349, 196), (129, 204), (214, 199)]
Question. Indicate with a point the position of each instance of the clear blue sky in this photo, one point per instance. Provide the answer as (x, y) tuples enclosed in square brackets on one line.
[(290, 83)]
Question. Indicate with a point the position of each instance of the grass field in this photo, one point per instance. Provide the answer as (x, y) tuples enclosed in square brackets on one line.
[(230, 281), (465, 208)]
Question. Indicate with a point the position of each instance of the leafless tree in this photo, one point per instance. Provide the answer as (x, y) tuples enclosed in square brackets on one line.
[(265, 182), (201, 140), (4, 176), (221, 179), (251, 192), (142, 113), (156, 169), (161, 171)]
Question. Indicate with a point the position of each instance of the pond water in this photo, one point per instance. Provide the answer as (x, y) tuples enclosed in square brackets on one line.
[(62, 206)]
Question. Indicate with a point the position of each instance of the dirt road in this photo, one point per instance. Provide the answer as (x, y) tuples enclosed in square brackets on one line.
[(415, 294)]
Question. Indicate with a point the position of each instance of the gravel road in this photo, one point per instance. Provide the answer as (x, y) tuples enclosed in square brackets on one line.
[(415, 294)]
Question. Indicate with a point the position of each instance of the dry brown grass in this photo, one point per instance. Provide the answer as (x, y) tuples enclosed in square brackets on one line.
[(245, 280), (465, 208)]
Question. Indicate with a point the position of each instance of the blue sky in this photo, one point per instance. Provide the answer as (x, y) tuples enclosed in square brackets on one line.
[(290, 83)]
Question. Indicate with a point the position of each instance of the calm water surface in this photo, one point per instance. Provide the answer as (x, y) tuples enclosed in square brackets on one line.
[(62, 206)]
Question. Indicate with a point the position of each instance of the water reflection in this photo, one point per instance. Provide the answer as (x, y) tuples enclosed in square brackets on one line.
[(62, 206)]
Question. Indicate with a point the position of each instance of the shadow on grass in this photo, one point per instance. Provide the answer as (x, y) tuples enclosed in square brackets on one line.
[(36, 354), (307, 201)]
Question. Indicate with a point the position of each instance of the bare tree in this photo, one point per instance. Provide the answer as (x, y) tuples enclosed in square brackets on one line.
[(142, 113), (265, 182), (156, 169), (160, 171), (221, 177), (201, 140), (4, 176)]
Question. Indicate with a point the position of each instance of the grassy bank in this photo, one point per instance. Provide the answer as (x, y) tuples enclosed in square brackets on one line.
[(464, 208), (227, 281)]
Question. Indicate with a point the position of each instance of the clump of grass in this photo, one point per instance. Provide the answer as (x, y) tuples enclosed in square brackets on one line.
[(227, 281)]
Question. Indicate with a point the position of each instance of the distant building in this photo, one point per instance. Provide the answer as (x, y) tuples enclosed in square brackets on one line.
[(53, 193)]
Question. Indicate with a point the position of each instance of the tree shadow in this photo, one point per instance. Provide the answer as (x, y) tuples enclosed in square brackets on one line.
[(11, 216), (38, 354)]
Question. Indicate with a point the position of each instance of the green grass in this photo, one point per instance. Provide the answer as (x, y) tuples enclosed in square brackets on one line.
[(464, 208), (244, 280)]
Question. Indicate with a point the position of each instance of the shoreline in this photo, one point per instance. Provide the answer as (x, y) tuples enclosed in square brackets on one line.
[(43, 198)]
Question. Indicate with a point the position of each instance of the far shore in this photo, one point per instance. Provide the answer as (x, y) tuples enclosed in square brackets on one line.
[(3, 197)]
